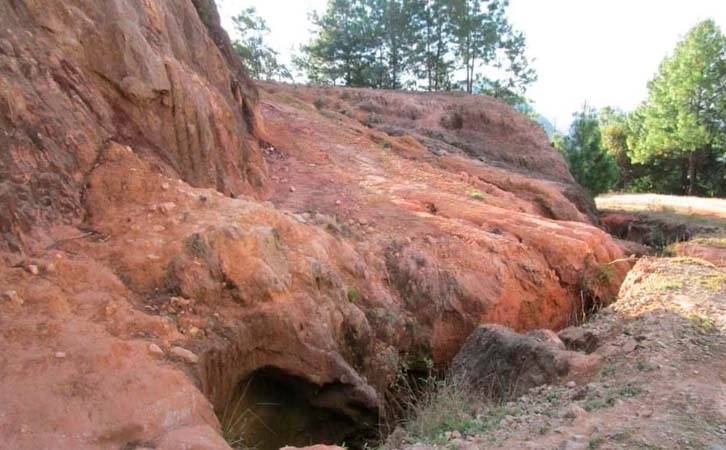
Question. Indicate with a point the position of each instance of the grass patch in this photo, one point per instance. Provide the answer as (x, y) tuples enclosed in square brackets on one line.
[(353, 295), (692, 261), (711, 242), (665, 284), (475, 195), (608, 400), (596, 442), (234, 419), (713, 281), (629, 391), (703, 324), (445, 407)]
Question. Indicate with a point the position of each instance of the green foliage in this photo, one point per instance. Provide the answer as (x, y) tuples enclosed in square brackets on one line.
[(259, 58), (682, 119), (445, 406), (353, 295), (589, 163), (417, 44)]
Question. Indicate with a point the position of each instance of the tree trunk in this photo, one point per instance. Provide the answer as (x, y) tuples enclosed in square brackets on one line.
[(691, 173)]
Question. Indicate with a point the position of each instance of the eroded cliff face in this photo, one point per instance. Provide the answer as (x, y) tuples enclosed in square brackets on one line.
[(159, 266), (78, 74)]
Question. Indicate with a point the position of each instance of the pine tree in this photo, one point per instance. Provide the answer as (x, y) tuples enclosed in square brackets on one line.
[(589, 163), (683, 117), (260, 59)]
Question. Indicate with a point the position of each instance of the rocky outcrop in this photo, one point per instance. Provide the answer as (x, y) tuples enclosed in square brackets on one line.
[(511, 152), (156, 276), (76, 74)]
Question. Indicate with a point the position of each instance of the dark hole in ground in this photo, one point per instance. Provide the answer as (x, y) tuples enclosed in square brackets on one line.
[(271, 409), (653, 230)]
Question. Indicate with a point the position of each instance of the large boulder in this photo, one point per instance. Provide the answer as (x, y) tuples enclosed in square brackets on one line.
[(497, 361)]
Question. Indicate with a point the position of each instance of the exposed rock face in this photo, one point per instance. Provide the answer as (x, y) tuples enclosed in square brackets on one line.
[(499, 362), (139, 285), (76, 74), (510, 151)]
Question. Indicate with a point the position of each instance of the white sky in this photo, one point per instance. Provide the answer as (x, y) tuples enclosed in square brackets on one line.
[(599, 51)]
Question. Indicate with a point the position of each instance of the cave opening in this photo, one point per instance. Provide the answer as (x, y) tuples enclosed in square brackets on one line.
[(272, 408)]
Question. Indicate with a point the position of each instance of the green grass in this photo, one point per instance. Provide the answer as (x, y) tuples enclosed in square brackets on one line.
[(703, 324), (447, 407), (596, 442), (608, 400), (353, 295), (476, 195)]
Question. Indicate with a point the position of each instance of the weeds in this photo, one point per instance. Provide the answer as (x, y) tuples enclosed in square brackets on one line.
[(703, 324), (353, 295), (447, 406), (476, 195), (236, 418), (596, 442), (713, 281)]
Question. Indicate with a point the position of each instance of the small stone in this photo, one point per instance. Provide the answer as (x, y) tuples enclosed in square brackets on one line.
[(60, 355), (180, 302), (166, 207), (573, 412), (203, 198), (155, 350), (165, 186), (159, 228), (12, 296), (153, 257), (292, 189), (50, 267), (571, 384), (194, 331), (337, 202), (33, 269), (186, 355), (629, 347)]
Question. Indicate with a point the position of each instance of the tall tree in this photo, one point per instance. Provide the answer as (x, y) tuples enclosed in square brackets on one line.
[(614, 136), (417, 43), (683, 117), (260, 59), (342, 49), (432, 61), (589, 164)]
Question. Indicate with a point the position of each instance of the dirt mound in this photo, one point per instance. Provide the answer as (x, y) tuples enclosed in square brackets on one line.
[(154, 278)]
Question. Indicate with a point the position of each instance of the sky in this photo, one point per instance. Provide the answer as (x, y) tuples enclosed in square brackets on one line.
[(602, 52)]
